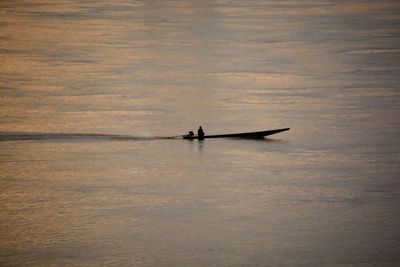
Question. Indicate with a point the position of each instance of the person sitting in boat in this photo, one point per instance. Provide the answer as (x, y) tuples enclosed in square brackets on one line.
[(200, 132), (190, 134)]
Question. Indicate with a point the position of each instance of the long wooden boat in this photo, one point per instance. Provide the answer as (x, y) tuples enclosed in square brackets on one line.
[(260, 134)]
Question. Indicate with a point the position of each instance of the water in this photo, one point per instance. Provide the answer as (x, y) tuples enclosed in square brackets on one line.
[(90, 89)]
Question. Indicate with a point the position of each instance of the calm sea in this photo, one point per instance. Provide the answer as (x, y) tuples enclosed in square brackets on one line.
[(89, 90)]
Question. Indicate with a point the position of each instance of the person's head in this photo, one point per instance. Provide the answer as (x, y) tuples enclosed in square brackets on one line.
[(200, 127)]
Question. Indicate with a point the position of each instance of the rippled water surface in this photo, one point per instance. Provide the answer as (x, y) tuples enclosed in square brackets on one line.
[(92, 94)]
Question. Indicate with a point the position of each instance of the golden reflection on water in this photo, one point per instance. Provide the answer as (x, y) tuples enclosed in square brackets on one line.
[(311, 8), (325, 192), (140, 52), (47, 205)]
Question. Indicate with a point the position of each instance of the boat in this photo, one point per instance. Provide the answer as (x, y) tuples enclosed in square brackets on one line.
[(250, 135)]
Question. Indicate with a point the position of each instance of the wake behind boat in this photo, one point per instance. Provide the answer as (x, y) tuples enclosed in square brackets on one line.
[(260, 134)]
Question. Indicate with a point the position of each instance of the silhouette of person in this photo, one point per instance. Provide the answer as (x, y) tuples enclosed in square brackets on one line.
[(200, 132)]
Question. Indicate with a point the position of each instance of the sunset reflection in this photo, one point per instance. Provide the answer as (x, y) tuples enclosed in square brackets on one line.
[(95, 98)]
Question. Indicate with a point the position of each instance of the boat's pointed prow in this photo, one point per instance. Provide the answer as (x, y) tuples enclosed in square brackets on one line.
[(277, 131)]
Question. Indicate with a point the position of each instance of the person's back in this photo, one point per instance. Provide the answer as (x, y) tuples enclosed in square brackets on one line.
[(200, 132)]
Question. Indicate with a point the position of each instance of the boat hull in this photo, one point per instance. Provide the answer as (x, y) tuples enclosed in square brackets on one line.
[(260, 134)]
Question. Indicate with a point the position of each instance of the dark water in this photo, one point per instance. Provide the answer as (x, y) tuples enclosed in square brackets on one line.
[(92, 93)]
